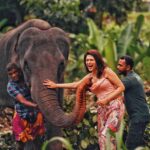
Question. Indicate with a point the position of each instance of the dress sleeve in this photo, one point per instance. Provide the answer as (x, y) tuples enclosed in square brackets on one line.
[(12, 90)]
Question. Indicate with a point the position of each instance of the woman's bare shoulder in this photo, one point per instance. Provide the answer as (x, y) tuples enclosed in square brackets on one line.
[(87, 76), (108, 72)]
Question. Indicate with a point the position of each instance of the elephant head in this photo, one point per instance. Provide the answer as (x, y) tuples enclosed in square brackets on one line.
[(42, 52)]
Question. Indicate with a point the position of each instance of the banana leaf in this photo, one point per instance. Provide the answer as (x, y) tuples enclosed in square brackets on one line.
[(111, 53), (125, 39), (96, 36)]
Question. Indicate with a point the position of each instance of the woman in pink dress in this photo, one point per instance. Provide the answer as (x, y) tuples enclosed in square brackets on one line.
[(108, 89)]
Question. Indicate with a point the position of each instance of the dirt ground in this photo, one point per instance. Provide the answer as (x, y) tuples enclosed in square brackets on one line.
[(7, 141)]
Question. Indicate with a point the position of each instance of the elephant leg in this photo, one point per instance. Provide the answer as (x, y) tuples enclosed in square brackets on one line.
[(34, 145), (19, 145), (53, 131)]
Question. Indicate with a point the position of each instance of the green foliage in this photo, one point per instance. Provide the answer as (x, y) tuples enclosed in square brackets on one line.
[(96, 36), (110, 52), (96, 39), (112, 42), (62, 13), (146, 70), (125, 39), (84, 135), (65, 142), (130, 41), (3, 26), (11, 11), (116, 9), (3, 22), (119, 136), (110, 39)]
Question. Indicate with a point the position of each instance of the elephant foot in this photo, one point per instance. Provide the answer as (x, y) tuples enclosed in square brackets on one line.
[(19, 146)]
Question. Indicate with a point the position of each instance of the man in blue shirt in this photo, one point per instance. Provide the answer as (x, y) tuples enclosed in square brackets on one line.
[(27, 123), (135, 103)]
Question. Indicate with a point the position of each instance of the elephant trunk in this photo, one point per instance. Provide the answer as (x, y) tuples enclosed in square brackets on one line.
[(52, 110), (49, 105)]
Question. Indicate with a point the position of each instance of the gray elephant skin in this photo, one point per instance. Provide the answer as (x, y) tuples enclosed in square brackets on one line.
[(42, 52)]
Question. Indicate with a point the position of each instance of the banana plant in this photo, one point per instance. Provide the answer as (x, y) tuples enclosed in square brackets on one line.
[(3, 22), (110, 52), (96, 36), (130, 41), (64, 141), (125, 39), (103, 43)]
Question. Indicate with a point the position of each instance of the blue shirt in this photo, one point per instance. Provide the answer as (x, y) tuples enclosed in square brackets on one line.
[(25, 112), (135, 100)]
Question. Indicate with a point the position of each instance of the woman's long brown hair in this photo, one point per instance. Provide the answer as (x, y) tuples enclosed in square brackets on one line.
[(99, 61)]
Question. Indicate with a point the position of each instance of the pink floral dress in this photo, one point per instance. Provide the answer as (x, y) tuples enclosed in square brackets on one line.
[(109, 116)]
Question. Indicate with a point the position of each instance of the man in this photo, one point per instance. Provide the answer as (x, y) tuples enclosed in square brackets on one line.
[(135, 103), (27, 123)]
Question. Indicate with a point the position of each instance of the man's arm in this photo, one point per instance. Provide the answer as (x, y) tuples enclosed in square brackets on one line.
[(15, 93), (24, 101)]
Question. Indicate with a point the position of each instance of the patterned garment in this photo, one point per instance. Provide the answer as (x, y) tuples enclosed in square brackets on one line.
[(25, 131), (27, 121), (25, 112), (109, 117)]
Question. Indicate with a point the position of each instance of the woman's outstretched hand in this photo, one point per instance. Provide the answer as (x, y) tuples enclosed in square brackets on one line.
[(50, 84)]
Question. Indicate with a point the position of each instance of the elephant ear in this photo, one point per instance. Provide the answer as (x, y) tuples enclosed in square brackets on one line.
[(12, 37), (8, 44), (26, 41), (62, 40)]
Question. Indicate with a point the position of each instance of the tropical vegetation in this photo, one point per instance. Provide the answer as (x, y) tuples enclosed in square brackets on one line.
[(113, 27)]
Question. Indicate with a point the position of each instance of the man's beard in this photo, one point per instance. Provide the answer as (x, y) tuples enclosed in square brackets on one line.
[(124, 73)]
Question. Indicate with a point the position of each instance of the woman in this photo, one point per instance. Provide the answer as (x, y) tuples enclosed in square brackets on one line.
[(107, 87), (27, 121)]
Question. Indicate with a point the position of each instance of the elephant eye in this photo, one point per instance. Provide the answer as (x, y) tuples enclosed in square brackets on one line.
[(26, 68), (60, 71), (62, 66)]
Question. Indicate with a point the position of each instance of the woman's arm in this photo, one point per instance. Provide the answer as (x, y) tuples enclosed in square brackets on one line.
[(114, 79), (50, 84)]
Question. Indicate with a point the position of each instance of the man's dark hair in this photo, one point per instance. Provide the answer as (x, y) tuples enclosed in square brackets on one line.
[(128, 59), (11, 66)]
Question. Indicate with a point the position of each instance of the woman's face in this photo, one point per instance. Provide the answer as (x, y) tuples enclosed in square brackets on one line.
[(90, 63)]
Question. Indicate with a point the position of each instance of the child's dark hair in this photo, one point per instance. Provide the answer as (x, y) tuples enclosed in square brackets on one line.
[(11, 66)]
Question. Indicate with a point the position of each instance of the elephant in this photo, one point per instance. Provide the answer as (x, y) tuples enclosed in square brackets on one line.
[(42, 52)]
